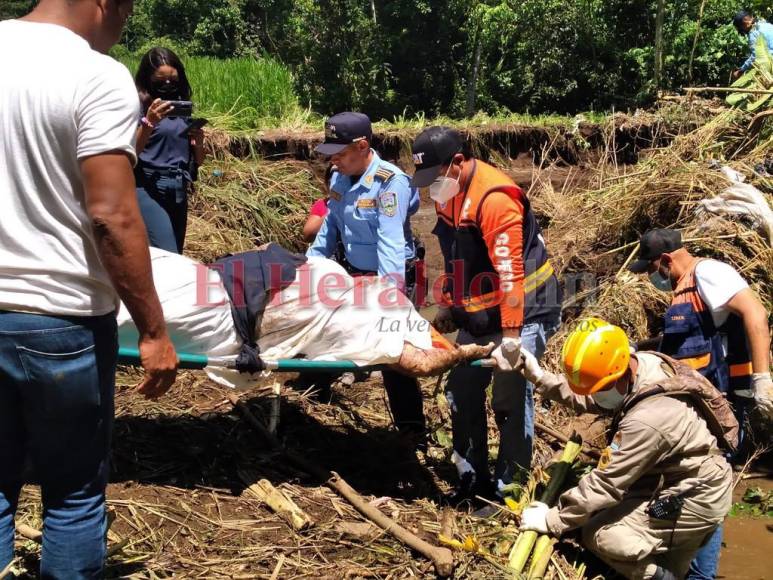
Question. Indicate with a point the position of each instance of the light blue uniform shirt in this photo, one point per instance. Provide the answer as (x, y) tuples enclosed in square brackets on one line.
[(372, 218), (760, 28)]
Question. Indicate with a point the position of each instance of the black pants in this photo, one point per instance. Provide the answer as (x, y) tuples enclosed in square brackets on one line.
[(405, 402)]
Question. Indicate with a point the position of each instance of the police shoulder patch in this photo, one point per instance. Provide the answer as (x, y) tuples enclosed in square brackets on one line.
[(388, 203), (384, 174)]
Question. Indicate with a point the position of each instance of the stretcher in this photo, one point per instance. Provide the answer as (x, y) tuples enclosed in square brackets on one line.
[(190, 361)]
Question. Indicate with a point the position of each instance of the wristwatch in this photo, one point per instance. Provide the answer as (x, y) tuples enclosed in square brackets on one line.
[(145, 121)]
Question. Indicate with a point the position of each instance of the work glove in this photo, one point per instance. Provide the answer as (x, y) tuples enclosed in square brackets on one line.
[(762, 385), (507, 353), (529, 367), (444, 322), (534, 518)]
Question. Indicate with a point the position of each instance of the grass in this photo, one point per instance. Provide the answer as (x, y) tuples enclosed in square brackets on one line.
[(244, 95), (242, 203), (241, 94)]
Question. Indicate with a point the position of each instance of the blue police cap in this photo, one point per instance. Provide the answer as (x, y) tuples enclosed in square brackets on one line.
[(344, 129)]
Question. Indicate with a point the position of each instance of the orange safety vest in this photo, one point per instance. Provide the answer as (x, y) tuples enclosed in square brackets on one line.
[(475, 294), (691, 336)]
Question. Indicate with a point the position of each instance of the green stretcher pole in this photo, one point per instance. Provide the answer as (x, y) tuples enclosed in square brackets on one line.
[(131, 356)]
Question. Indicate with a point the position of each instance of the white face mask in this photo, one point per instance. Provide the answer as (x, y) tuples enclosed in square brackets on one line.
[(609, 399), (444, 188)]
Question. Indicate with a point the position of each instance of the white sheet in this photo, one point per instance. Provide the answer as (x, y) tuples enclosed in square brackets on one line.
[(325, 315)]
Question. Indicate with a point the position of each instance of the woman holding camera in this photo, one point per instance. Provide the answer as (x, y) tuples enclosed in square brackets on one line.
[(170, 148)]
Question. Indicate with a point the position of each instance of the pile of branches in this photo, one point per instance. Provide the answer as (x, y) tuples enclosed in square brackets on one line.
[(593, 230)]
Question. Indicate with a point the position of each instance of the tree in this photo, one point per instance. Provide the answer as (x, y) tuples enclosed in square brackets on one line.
[(15, 8)]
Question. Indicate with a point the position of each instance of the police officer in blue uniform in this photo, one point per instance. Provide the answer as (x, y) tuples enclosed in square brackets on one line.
[(370, 205)]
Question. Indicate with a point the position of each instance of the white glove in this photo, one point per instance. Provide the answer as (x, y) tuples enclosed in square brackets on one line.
[(444, 321), (762, 386), (529, 367), (534, 518), (507, 353)]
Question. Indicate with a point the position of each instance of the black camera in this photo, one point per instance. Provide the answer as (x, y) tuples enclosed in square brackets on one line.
[(181, 109)]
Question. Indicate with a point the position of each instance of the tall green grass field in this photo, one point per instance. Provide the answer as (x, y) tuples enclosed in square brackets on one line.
[(239, 93)]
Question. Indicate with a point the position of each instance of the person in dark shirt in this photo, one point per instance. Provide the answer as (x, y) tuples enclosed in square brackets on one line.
[(170, 150)]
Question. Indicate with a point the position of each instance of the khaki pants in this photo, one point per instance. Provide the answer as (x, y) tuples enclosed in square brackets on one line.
[(634, 544)]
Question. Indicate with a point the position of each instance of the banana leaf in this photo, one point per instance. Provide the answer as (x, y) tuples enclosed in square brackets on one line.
[(760, 76)]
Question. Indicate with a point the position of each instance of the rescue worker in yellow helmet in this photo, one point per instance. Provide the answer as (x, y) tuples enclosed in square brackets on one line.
[(666, 484)]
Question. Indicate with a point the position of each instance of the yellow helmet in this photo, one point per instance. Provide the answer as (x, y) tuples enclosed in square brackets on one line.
[(594, 355)]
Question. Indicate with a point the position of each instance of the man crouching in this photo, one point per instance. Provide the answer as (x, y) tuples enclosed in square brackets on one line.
[(663, 484)]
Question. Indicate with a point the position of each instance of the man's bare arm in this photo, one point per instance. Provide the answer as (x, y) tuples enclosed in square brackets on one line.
[(755, 321), (417, 362), (122, 242)]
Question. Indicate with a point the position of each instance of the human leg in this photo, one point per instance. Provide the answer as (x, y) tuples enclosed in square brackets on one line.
[(405, 402), (638, 546), (706, 562), (466, 394), (67, 392), (513, 405), (171, 193), (157, 222), (12, 443)]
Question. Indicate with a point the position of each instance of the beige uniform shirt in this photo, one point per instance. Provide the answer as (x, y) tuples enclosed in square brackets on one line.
[(662, 447)]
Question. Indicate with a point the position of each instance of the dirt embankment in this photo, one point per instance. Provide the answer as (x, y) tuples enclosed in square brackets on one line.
[(626, 136)]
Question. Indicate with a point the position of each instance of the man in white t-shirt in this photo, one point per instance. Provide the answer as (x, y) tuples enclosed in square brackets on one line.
[(718, 326), (72, 243)]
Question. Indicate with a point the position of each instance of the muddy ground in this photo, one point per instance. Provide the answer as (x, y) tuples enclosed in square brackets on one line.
[(183, 467)]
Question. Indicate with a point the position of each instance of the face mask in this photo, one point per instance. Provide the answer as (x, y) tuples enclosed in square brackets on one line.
[(168, 90), (610, 399), (444, 188), (661, 282)]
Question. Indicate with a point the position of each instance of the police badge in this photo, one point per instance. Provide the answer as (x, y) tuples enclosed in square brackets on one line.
[(388, 203)]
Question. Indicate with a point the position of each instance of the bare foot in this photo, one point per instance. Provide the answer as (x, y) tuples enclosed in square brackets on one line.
[(475, 351)]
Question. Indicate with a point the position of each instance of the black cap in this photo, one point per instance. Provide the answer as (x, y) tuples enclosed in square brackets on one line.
[(432, 149), (344, 129), (654, 244)]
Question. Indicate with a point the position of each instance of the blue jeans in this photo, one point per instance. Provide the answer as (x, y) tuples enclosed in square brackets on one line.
[(512, 402), (57, 378), (706, 562), (163, 199)]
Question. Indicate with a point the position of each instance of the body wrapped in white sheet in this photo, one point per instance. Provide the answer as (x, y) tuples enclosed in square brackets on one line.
[(325, 315)]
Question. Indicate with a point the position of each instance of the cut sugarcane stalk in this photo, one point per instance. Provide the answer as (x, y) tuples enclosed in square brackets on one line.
[(522, 549), (543, 551)]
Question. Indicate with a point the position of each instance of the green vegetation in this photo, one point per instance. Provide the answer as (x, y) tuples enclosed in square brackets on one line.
[(454, 58), (240, 93), (458, 57), (759, 78), (756, 502)]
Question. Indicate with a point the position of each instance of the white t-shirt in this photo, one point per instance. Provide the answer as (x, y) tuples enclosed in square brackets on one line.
[(60, 102), (717, 283)]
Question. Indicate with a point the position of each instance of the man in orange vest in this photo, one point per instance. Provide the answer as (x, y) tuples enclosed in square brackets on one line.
[(499, 286), (717, 325)]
